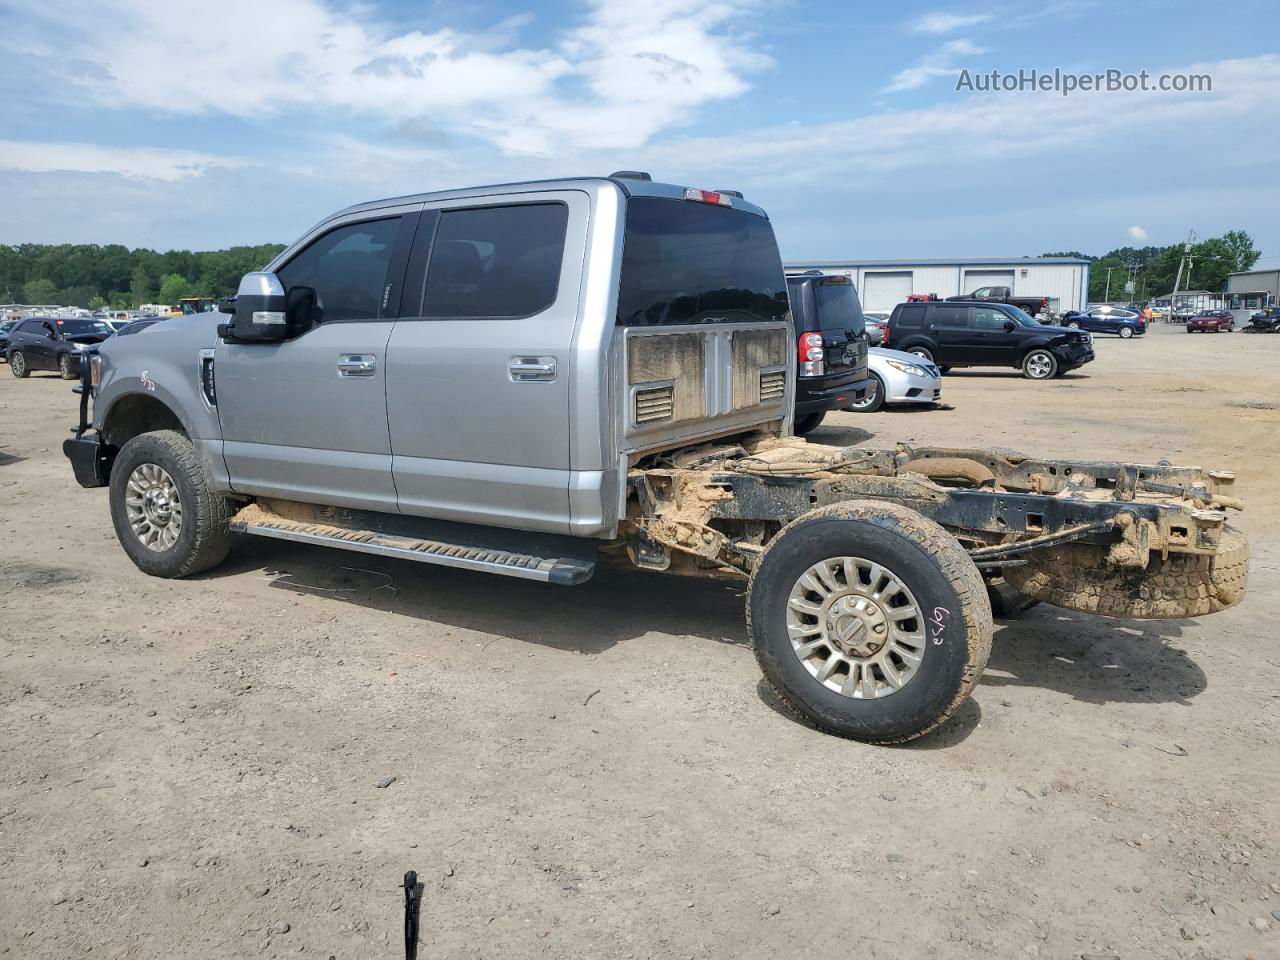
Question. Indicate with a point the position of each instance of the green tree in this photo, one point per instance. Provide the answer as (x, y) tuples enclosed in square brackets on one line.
[(140, 288), (41, 290), (97, 302), (1242, 250), (173, 287)]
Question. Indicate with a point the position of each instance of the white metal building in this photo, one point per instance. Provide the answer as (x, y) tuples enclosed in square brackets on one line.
[(882, 284)]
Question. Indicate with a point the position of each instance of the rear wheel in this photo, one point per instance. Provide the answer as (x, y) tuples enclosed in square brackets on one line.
[(1039, 365), (167, 519), (18, 365), (874, 399), (869, 620), (1126, 333), (923, 353), (1074, 325), (809, 422)]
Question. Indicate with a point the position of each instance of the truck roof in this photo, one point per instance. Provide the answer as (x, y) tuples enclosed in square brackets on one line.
[(629, 186)]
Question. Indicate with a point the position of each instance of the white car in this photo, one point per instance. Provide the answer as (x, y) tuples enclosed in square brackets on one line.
[(899, 378)]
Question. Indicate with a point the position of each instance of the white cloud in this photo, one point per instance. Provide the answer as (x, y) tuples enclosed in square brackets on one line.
[(939, 63), (137, 163), (621, 76), (1137, 233), (947, 22)]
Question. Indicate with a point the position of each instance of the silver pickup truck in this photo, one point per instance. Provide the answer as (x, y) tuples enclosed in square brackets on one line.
[(530, 379)]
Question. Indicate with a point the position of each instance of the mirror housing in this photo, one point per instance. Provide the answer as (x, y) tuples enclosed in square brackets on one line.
[(261, 314)]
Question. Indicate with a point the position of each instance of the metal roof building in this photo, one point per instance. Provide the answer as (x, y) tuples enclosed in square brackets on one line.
[(882, 284)]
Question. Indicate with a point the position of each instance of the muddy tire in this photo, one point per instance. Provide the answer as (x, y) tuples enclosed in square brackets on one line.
[(64, 367), (869, 621), (1078, 577), (18, 365), (155, 478), (809, 422)]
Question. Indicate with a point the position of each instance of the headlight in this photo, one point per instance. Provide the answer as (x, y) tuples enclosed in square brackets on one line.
[(79, 346), (910, 369)]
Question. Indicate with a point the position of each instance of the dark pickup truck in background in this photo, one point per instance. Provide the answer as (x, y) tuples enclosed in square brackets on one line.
[(1029, 305)]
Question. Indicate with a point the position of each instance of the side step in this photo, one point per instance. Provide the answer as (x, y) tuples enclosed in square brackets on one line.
[(512, 553)]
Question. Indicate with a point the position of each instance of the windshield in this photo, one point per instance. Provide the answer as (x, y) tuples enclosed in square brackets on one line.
[(686, 262), (79, 327), (1024, 318)]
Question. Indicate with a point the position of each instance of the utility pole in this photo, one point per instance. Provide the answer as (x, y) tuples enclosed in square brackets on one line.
[(1106, 297), (1186, 253)]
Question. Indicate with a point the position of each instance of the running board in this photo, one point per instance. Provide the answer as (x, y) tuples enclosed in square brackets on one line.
[(569, 560)]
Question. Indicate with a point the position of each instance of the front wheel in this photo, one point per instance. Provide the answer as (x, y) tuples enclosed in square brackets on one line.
[(64, 367), (869, 620), (874, 399), (18, 365), (167, 519), (1126, 333), (1039, 365)]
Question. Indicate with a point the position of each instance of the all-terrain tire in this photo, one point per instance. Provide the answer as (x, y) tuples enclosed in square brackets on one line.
[(1078, 577), (64, 367), (940, 576), (18, 365), (205, 535), (809, 422)]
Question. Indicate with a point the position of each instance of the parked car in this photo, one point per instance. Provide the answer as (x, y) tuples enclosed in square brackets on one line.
[(952, 334), (1029, 305), (831, 346), (899, 378), (1212, 321), (875, 322), (45, 343), (1264, 321), (5, 327), (1118, 320), (136, 326)]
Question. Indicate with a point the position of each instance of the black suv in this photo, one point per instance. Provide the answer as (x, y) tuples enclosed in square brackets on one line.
[(955, 334), (831, 346), (48, 343)]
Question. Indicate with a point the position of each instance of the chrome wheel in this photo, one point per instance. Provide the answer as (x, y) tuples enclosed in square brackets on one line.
[(1039, 366), (856, 628), (64, 366), (17, 364), (153, 507)]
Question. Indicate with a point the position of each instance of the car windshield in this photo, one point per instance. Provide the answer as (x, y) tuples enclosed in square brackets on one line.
[(79, 326), (685, 262), (1025, 319)]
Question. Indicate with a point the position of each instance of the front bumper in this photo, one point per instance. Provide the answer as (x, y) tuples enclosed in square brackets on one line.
[(907, 388)]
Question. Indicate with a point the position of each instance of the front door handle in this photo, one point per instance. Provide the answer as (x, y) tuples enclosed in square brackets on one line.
[(523, 369), (357, 365)]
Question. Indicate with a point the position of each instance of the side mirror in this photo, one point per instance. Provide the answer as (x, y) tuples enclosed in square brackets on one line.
[(261, 314), (1010, 325)]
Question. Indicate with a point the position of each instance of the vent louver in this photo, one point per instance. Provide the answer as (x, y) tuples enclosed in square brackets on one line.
[(773, 386), (654, 404)]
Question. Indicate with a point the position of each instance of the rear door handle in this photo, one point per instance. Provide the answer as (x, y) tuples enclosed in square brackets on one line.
[(526, 369), (357, 365)]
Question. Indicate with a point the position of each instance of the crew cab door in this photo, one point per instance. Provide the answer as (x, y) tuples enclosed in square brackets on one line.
[(478, 373), (306, 418)]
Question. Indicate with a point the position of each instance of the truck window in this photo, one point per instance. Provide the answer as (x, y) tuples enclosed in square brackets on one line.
[(686, 262), (950, 316), (347, 267), (496, 261)]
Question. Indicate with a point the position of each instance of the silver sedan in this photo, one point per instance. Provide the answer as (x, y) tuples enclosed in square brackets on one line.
[(899, 378)]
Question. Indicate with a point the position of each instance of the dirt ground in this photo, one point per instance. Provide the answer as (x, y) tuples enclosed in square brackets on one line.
[(188, 768)]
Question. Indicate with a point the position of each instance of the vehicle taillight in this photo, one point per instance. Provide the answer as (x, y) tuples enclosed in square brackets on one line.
[(708, 196), (885, 328), (809, 351)]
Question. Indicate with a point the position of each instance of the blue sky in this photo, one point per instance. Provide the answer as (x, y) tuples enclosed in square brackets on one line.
[(198, 125)]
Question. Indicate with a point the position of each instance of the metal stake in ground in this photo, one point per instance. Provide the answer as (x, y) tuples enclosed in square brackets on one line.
[(412, 906)]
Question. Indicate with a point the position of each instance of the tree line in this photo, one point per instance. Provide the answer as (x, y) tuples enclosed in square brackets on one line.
[(111, 275), (1154, 269)]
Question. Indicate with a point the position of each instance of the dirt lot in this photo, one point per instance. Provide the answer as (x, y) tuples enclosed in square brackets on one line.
[(188, 767)]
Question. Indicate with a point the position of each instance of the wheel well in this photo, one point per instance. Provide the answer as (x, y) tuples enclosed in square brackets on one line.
[(136, 414)]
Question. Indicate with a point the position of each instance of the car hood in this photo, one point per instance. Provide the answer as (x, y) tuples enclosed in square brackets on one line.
[(86, 337)]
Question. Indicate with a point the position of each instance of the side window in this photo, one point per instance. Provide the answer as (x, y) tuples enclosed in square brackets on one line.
[(496, 261), (347, 268), (984, 318), (982, 292), (910, 316), (951, 316), (49, 331)]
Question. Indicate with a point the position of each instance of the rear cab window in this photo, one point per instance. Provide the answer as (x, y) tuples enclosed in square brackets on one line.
[(686, 262)]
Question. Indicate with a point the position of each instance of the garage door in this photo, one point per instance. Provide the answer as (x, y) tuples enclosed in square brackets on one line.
[(884, 291), (973, 279)]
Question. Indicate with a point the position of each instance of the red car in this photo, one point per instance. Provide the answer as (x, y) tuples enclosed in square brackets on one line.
[(1212, 321)]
